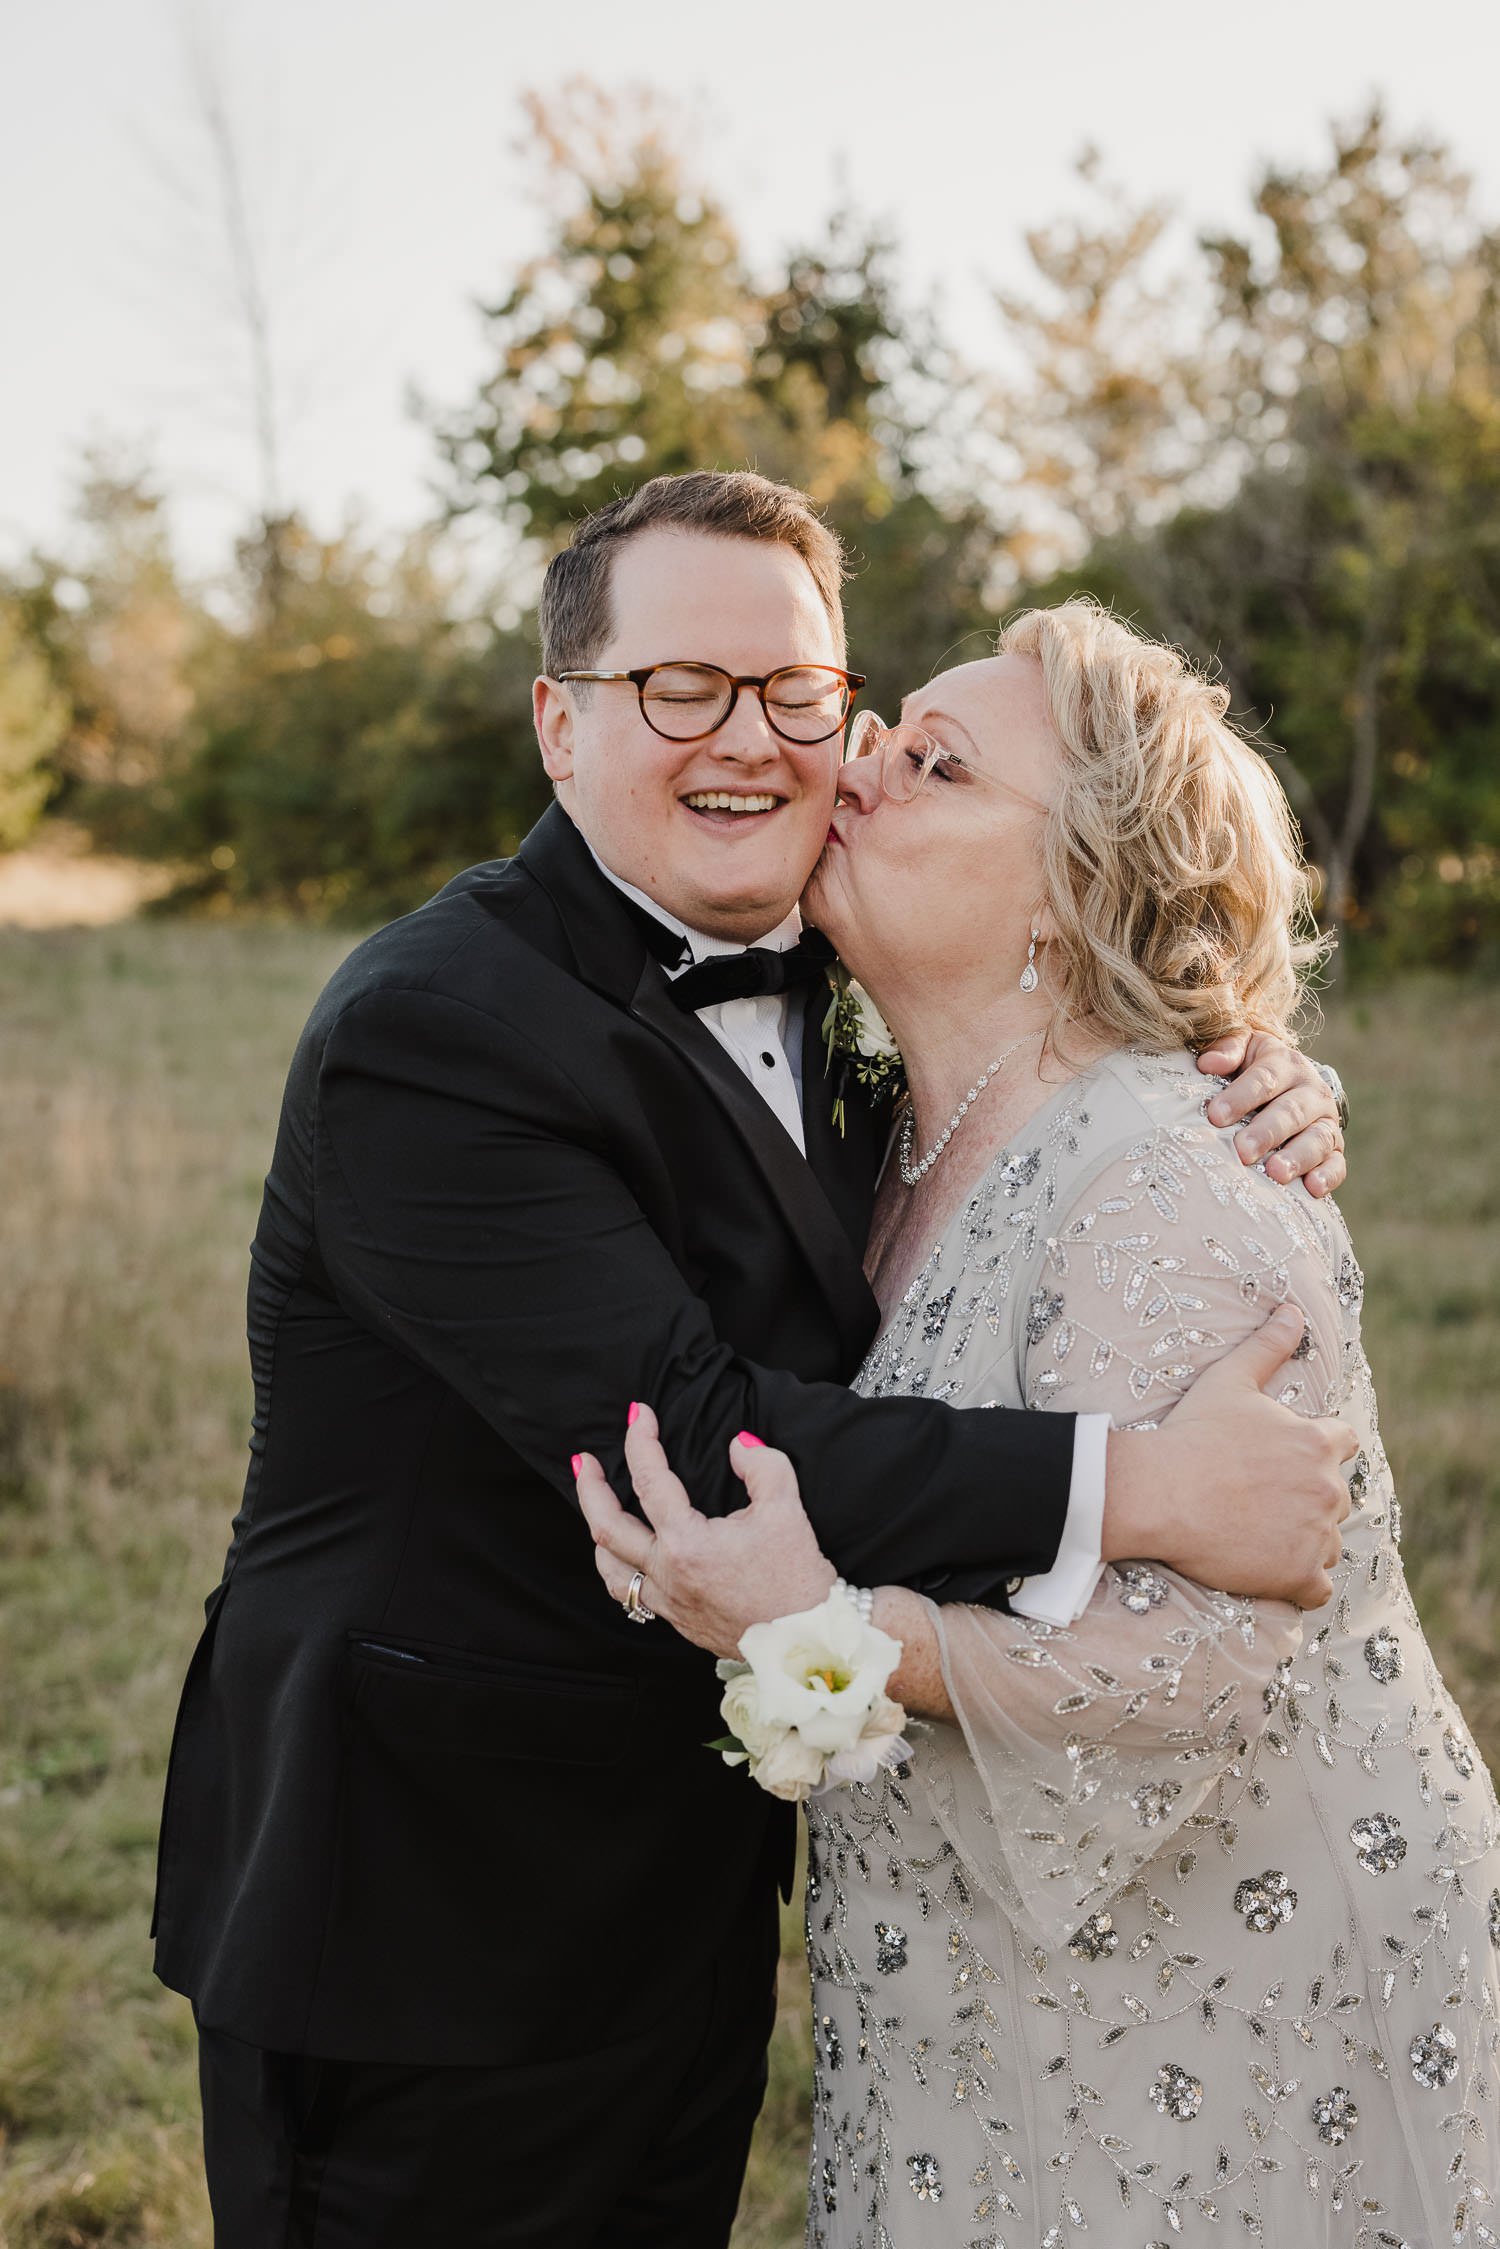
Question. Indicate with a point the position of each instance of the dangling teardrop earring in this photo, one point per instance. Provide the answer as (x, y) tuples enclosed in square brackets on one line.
[(1029, 977)]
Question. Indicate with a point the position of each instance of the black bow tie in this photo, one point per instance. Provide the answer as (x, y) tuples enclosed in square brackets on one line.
[(747, 975), (665, 945), (730, 976)]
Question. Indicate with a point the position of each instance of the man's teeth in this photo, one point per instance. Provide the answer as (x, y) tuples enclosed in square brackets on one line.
[(719, 800)]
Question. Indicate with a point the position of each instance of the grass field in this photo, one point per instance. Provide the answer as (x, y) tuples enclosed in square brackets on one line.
[(140, 1069)]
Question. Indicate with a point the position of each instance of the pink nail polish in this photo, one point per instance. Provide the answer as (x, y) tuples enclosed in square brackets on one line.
[(758, 1444), (577, 1462), (633, 1416)]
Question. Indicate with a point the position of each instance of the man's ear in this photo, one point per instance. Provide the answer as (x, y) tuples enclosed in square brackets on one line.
[(552, 716)]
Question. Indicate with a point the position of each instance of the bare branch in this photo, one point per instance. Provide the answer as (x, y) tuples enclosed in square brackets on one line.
[(251, 296)]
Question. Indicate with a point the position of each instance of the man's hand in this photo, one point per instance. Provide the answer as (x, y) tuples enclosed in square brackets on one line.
[(1235, 1491), (709, 1576), (1298, 1117)]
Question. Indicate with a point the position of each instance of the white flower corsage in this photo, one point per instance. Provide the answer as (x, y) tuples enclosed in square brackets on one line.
[(807, 1708), (857, 1033)]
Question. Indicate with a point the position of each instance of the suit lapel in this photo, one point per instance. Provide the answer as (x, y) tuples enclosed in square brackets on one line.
[(844, 1163), (803, 1198), (824, 1199), (607, 947)]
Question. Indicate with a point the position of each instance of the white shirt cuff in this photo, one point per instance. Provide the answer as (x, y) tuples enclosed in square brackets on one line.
[(1062, 1593)]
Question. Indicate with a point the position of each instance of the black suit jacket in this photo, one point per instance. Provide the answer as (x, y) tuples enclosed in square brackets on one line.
[(431, 1798)]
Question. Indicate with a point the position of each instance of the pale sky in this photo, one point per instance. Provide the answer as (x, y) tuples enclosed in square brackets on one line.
[(379, 139)]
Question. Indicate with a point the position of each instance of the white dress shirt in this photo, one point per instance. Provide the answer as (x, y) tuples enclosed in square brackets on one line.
[(764, 1035)]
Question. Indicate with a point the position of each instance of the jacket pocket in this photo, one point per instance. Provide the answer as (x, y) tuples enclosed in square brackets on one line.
[(449, 1703)]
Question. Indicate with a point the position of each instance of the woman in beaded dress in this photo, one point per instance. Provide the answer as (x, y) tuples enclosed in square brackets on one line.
[(1182, 1923), (1223, 1964)]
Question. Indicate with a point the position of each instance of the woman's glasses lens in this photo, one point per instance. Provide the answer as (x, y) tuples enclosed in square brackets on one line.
[(906, 755)]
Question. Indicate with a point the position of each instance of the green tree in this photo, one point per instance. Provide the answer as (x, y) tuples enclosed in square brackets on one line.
[(1107, 423), (34, 718), (1360, 349), (621, 351), (352, 742), (1349, 588), (1368, 282), (842, 377), (1355, 612), (114, 628)]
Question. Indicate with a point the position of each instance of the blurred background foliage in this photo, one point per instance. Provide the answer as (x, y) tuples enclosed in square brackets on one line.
[(1278, 448)]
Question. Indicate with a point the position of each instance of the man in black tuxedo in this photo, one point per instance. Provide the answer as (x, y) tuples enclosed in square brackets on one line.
[(479, 1938)]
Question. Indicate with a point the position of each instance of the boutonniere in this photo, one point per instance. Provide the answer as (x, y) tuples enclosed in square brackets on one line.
[(855, 1031)]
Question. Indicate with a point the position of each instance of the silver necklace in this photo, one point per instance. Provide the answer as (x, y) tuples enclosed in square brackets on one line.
[(910, 1172)]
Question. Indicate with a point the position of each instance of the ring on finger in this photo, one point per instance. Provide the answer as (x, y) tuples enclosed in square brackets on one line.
[(635, 1608)]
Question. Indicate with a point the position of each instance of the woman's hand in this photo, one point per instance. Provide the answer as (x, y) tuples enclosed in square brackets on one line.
[(1296, 1127), (709, 1577)]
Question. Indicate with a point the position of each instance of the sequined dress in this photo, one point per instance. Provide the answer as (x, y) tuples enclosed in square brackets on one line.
[(1192, 1933)]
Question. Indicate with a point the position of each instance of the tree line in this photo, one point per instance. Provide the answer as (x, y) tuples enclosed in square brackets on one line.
[(1278, 448)]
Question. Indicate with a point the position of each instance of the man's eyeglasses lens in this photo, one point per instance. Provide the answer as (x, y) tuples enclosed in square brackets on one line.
[(803, 704)]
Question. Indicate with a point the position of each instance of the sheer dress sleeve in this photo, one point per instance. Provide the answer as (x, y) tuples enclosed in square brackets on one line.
[(1097, 1745)]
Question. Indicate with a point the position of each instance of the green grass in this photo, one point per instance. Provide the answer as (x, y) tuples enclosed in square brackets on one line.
[(140, 1070)]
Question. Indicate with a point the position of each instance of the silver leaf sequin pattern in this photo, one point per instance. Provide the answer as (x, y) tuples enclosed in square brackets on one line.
[(1094, 1939), (1458, 1753), (1206, 1945), (1152, 1802), (1019, 1173)]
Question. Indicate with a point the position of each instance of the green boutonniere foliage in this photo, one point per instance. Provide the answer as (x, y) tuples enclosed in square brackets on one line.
[(857, 1036)]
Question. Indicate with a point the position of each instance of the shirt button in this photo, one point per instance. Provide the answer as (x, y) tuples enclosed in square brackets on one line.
[(769, 1060)]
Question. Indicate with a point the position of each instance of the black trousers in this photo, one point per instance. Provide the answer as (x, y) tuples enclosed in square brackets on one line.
[(637, 2145)]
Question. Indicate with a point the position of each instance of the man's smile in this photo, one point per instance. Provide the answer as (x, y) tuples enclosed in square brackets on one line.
[(725, 808)]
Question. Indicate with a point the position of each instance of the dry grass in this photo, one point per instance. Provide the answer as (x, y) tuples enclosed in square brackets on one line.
[(141, 1071)]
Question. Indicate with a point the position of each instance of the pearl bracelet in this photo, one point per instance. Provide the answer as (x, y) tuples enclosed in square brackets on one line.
[(862, 1596)]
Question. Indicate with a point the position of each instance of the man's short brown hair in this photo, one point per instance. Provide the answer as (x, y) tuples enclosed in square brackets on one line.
[(575, 614)]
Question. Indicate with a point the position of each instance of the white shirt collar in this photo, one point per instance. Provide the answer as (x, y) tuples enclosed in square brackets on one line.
[(699, 944)]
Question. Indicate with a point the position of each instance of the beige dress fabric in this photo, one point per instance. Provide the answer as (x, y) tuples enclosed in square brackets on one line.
[(1191, 1932)]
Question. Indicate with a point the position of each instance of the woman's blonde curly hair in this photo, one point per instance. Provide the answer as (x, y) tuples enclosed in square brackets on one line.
[(1174, 871)]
